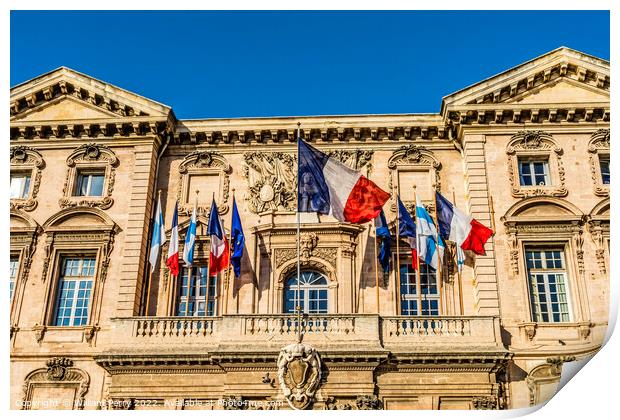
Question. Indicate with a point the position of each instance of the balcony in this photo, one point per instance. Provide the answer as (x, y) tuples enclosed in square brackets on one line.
[(357, 333)]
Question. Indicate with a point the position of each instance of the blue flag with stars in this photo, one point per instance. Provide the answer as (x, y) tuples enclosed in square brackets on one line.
[(237, 240)]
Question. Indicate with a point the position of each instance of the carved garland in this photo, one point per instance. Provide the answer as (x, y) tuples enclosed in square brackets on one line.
[(84, 157), (600, 233), (27, 159), (600, 142), (415, 158), (272, 176), (533, 144), (59, 372), (203, 162)]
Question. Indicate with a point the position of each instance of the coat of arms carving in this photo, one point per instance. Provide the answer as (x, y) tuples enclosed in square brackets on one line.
[(299, 372)]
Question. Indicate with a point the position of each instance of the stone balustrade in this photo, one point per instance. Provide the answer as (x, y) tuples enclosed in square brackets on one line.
[(277, 329)]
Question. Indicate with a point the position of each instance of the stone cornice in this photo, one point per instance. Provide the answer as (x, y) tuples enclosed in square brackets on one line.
[(359, 128), (91, 129)]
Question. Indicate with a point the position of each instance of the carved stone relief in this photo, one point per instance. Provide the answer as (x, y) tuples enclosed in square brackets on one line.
[(299, 373), (485, 402), (272, 176), (599, 142), (536, 144), (197, 163), (27, 160), (59, 372), (600, 234), (90, 156)]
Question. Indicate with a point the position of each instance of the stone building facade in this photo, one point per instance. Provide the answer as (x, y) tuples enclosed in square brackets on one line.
[(526, 152)]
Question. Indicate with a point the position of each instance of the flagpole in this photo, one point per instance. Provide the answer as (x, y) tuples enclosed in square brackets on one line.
[(376, 269), (416, 264), (492, 211), (150, 279), (229, 258), (458, 271), (299, 338), (397, 271), (439, 276)]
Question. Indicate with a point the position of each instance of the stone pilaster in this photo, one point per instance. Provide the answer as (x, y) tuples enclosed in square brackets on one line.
[(485, 277), (133, 273)]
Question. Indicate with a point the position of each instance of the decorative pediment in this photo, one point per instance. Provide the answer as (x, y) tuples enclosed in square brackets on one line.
[(67, 94), (209, 174), (550, 78)]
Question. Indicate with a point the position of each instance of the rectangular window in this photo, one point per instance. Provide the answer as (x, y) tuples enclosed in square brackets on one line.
[(90, 184), (534, 172), (14, 269), (604, 162), (74, 290), (197, 296), (20, 185), (422, 299), (547, 281)]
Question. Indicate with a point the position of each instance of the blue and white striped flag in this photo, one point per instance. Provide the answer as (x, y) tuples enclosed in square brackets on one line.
[(428, 250), (159, 235), (190, 240)]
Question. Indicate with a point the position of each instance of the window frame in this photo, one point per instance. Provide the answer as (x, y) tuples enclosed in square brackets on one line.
[(25, 173), (426, 272), (27, 160), (545, 271), (89, 158), (61, 277), (90, 173), (531, 161), (305, 294), (13, 279), (599, 145), (535, 146), (214, 298)]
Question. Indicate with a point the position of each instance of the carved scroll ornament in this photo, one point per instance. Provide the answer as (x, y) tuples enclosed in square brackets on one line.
[(536, 144), (599, 143), (90, 156)]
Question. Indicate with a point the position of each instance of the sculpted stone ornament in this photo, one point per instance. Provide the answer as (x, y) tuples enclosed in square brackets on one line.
[(368, 402), (299, 373), (57, 368), (307, 243)]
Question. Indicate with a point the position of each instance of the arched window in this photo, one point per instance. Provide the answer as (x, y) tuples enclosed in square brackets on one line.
[(313, 293)]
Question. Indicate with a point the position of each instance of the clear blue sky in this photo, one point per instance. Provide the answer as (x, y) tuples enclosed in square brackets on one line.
[(233, 64)]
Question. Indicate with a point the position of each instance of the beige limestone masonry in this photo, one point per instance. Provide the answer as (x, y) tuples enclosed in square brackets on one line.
[(483, 351)]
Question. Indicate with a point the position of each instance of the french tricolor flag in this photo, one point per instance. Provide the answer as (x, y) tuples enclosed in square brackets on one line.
[(328, 186), (173, 249), (456, 226), (220, 253)]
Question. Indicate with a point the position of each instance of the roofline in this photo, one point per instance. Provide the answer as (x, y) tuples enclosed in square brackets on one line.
[(525, 63), (68, 69)]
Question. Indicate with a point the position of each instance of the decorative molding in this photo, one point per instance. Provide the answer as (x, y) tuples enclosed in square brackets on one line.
[(599, 230), (27, 159), (198, 163), (59, 372), (90, 156), (299, 373), (599, 142), (412, 158), (535, 144)]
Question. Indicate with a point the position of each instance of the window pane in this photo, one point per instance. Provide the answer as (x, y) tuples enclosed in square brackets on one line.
[(548, 294), (313, 293), (20, 185), (13, 267), (605, 176), (96, 185)]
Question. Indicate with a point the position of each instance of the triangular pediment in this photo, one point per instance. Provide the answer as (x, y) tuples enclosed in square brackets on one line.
[(63, 108), (65, 94), (560, 76), (563, 92)]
